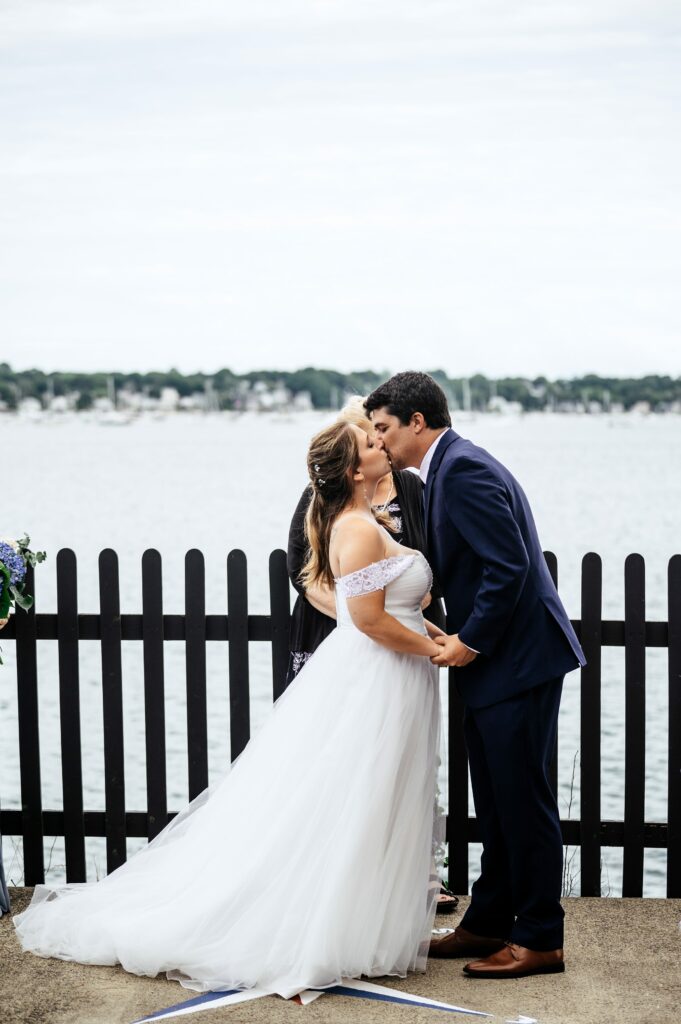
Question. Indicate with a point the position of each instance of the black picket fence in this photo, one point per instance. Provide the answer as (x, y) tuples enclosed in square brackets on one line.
[(195, 628)]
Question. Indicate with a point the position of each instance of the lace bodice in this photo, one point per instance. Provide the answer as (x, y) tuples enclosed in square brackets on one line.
[(406, 579)]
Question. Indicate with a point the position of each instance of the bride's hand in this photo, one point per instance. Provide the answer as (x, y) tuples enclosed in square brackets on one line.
[(426, 601), (453, 653)]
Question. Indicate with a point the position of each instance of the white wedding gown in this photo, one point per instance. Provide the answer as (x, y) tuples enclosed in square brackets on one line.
[(311, 860)]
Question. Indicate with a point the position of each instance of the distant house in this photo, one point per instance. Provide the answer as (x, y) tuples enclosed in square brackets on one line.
[(170, 399), (30, 406), (197, 400), (501, 405), (302, 402), (265, 398), (62, 403), (134, 400), (103, 404)]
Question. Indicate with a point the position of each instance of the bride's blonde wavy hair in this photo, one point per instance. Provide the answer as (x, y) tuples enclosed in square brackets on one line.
[(332, 458)]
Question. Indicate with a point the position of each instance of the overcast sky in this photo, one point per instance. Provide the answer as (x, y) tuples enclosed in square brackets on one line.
[(477, 186)]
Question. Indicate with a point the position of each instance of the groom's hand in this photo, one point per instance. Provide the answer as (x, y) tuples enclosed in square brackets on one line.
[(454, 653)]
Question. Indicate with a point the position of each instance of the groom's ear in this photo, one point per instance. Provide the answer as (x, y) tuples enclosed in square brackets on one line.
[(417, 422)]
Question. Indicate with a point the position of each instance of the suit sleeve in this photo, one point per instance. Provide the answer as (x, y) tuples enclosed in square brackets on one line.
[(296, 553), (477, 505)]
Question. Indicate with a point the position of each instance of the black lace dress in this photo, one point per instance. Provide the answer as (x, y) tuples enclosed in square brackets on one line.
[(309, 626)]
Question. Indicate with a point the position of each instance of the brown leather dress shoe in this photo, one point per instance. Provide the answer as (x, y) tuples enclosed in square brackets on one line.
[(514, 961), (463, 943)]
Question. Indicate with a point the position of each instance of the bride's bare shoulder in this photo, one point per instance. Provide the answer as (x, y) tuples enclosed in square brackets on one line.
[(356, 541), (354, 521)]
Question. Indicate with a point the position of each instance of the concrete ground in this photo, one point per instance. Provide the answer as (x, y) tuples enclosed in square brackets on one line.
[(623, 961)]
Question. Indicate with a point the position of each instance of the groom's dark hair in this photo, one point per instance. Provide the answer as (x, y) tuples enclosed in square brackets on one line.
[(410, 392)]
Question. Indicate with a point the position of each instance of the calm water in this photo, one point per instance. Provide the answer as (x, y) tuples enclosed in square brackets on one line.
[(222, 482)]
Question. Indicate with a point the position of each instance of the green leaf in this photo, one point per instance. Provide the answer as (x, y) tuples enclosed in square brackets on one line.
[(30, 557), (5, 599), (25, 601)]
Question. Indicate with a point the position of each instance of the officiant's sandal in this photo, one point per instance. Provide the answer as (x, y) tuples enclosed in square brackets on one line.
[(447, 902)]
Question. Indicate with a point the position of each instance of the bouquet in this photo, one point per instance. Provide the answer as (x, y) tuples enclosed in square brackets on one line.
[(15, 557)]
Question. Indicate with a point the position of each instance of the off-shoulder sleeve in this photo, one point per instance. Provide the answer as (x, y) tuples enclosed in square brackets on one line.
[(373, 577)]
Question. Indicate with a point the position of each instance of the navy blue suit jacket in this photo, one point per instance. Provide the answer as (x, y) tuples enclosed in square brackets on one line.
[(500, 598)]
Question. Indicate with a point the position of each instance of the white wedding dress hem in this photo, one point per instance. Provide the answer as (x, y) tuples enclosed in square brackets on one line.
[(312, 859)]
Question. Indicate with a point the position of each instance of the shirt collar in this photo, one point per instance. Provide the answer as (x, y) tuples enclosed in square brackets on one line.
[(428, 457)]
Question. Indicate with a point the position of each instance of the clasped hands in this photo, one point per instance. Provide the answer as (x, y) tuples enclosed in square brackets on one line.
[(454, 653)]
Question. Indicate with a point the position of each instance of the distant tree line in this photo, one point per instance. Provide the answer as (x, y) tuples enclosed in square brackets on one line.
[(327, 388)]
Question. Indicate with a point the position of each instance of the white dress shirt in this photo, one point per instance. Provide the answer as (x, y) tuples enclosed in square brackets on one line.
[(428, 458)]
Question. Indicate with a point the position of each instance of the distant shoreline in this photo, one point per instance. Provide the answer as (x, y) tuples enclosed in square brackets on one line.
[(34, 392)]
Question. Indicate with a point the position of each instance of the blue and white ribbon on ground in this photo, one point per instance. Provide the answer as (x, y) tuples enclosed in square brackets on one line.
[(206, 1001), (349, 987)]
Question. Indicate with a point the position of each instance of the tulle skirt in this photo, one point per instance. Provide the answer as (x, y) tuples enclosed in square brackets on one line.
[(311, 860)]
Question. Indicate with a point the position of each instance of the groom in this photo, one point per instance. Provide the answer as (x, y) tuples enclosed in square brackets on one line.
[(511, 643)]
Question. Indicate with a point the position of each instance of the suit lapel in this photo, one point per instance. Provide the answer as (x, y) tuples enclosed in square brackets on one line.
[(449, 437)]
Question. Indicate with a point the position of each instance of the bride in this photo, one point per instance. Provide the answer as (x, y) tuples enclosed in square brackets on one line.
[(312, 859)]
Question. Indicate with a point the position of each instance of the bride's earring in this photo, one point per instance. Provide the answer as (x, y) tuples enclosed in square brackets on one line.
[(360, 476)]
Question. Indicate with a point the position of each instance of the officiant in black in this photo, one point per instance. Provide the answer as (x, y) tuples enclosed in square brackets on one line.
[(399, 494)]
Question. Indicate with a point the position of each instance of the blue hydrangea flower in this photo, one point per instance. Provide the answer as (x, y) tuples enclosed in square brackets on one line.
[(13, 562)]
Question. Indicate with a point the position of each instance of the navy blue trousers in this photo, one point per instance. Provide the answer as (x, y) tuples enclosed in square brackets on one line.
[(517, 896)]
